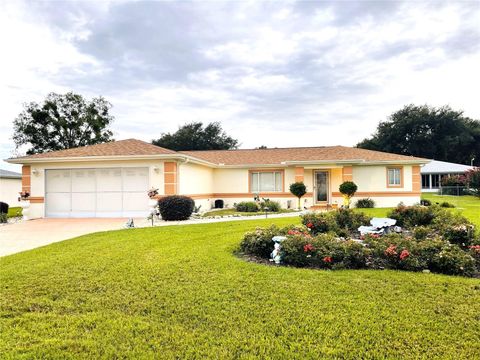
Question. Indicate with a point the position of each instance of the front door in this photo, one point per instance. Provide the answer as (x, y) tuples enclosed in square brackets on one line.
[(321, 187)]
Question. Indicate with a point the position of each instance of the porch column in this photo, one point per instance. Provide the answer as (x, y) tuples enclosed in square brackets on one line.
[(347, 173), (170, 178), (416, 179), (26, 178), (299, 174)]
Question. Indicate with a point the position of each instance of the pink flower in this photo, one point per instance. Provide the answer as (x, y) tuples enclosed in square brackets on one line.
[(327, 259), (404, 254), (475, 248), (391, 250), (308, 247)]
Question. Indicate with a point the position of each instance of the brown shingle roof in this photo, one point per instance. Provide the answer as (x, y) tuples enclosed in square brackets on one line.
[(114, 148), (276, 156)]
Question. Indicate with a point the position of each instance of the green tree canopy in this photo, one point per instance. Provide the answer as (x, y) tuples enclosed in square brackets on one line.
[(434, 133), (194, 136), (63, 122)]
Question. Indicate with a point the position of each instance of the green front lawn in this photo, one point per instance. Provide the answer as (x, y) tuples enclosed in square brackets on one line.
[(179, 292)]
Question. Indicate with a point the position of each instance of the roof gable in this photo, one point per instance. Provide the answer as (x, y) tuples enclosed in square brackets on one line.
[(128, 147)]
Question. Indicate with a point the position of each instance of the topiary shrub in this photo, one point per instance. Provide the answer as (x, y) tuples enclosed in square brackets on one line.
[(246, 206), (348, 189), (175, 207), (273, 206), (365, 203), (3, 208), (298, 189)]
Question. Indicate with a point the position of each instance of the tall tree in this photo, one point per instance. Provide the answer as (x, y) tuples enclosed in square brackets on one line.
[(63, 121), (434, 133), (194, 136)]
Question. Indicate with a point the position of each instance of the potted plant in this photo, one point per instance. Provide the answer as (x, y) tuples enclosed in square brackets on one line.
[(298, 189), (348, 189)]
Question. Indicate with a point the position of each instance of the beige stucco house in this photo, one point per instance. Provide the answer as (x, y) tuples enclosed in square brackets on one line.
[(112, 179), (10, 187)]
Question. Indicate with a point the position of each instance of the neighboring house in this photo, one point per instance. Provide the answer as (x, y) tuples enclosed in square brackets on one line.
[(434, 171), (112, 179), (10, 187)]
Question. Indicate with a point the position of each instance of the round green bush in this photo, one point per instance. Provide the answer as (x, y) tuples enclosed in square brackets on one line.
[(365, 203), (176, 207), (246, 206), (446, 204)]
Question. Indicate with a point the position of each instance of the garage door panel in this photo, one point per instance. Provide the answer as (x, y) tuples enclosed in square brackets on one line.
[(135, 179), (84, 202), (109, 202), (58, 181), (109, 179), (83, 180), (58, 204)]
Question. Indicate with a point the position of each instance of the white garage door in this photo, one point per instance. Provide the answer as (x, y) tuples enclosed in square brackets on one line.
[(106, 192)]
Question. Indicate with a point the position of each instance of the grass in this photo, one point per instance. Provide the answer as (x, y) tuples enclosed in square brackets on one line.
[(179, 292), (14, 212), (227, 212)]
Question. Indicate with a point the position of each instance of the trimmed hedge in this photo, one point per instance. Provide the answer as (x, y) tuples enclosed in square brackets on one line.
[(176, 207), (246, 206)]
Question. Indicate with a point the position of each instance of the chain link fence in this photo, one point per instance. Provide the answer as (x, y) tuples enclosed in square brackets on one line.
[(458, 190)]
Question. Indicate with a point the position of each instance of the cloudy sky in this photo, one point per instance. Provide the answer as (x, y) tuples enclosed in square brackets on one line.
[(273, 73)]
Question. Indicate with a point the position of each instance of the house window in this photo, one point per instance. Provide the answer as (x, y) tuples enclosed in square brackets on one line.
[(264, 181), (426, 181), (435, 181), (394, 177)]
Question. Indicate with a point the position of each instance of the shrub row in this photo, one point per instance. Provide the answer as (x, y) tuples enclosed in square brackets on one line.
[(252, 206)]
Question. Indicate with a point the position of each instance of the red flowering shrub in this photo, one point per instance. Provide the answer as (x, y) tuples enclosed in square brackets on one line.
[(404, 254), (391, 251), (327, 259), (308, 247)]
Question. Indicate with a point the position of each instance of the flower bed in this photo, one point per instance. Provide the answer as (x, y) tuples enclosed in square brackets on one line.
[(433, 240)]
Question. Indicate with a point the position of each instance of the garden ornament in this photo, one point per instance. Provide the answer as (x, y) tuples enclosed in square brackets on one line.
[(129, 224), (379, 226), (276, 254)]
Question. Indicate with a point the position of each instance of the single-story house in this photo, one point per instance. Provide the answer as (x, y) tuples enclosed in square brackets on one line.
[(112, 179), (434, 171), (10, 187)]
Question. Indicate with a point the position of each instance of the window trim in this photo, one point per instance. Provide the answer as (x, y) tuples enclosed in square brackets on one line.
[(282, 176), (401, 177)]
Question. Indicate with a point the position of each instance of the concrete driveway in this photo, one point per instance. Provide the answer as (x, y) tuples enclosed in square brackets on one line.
[(31, 234)]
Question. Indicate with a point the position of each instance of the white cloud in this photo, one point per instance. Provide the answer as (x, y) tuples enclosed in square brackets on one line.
[(273, 74)]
